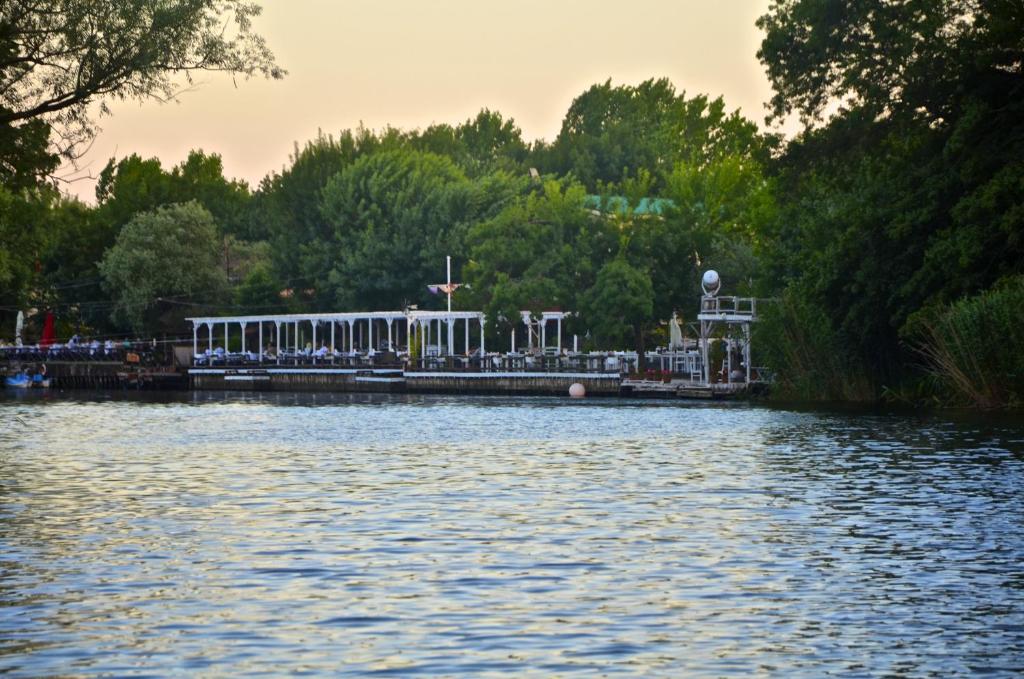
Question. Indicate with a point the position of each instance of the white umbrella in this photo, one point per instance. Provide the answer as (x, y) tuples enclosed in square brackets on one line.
[(18, 325), (675, 333)]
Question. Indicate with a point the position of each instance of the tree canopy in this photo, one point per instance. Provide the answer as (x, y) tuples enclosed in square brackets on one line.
[(163, 260), (898, 209), (905, 192), (60, 56), (915, 57)]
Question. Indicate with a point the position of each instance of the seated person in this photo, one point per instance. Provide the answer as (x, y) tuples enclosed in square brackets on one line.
[(322, 351)]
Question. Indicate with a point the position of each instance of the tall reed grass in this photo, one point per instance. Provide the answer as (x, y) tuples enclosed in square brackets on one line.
[(797, 341), (974, 348)]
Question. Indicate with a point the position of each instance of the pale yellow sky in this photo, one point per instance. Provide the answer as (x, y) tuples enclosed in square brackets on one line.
[(410, 63)]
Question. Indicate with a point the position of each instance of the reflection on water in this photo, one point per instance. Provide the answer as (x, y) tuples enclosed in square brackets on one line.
[(334, 534)]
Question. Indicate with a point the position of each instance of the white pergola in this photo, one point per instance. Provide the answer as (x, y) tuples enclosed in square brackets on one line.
[(424, 322), (537, 330), (365, 331), (285, 329)]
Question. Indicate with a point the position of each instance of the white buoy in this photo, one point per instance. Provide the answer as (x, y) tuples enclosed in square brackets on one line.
[(577, 390)]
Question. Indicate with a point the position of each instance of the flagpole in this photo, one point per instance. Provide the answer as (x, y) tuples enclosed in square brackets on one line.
[(451, 350)]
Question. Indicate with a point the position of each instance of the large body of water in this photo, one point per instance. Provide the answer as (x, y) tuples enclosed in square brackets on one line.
[(238, 535)]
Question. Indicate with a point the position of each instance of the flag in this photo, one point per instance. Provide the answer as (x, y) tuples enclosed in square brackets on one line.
[(446, 288)]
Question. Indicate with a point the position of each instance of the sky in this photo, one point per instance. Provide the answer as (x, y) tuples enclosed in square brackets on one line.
[(411, 63)]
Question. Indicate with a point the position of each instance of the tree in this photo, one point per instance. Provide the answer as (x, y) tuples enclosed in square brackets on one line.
[(25, 154), (285, 210), (620, 306), (24, 219), (132, 185), (200, 177), (916, 57), (716, 217), (611, 133), (395, 215), (537, 253), (260, 292), (164, 264), (58, 57), (69, 281), (906, 189)]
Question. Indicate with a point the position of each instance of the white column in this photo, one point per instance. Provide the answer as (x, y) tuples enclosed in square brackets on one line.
[(333, 324), (423, 341), (259, 338), (439, 337), (390, 341), (297, 347), (482, 352), (704, 351), (225, 337), (466, 321), (195, 340), (369, 326), (543, 333), (575, 344), (559, 334), (513, 339), (351, 337), (243, 324), (315, 347), (277, 345), (728, 361), (746, 349), (209, 327)]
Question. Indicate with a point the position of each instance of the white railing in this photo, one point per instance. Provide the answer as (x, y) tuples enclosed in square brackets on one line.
[(729, 306)]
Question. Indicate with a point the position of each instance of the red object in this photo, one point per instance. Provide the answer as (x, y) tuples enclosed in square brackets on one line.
[(49, 337)]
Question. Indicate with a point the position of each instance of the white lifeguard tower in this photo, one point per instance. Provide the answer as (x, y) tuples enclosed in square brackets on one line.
[(735, 314)]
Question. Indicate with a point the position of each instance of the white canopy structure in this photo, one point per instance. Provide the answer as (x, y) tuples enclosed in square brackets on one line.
[(423, 322), (366, 332), (356, 330)]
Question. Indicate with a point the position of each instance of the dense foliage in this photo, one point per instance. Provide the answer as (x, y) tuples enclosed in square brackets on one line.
[(909, 195), (890, 223), (161, 258)]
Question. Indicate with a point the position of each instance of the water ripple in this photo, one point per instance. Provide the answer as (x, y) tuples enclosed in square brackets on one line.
[(358, 535)]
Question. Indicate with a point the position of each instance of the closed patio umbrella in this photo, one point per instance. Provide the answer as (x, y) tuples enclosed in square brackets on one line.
[(49, 336), (675, 333)]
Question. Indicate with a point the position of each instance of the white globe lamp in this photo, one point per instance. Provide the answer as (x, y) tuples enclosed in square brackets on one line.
[(710, 282)]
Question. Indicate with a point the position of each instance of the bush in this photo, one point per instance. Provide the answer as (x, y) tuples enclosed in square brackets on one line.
[(796, 340), (973, 348)]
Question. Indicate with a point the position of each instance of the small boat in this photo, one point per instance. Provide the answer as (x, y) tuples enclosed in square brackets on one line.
[(18, 381), (23, 380)]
